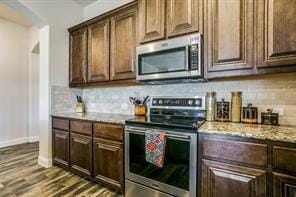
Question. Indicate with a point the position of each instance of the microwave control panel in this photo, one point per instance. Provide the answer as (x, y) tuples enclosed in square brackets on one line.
[(193, 50)]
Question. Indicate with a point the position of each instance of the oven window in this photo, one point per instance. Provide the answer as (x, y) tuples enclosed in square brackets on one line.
[(172, 60), (175, 171)]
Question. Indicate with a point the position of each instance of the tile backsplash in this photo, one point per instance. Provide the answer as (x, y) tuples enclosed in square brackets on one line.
[(269, 91), (63, 99)]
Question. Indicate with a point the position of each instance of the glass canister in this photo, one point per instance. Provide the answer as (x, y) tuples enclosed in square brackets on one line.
[(223, 109), (250, 114), (211, 106), (236, 104), (270, 118)]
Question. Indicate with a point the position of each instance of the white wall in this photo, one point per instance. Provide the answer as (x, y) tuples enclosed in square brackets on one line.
[(59, 15), (13, 83), (34, 63), (100, 6)]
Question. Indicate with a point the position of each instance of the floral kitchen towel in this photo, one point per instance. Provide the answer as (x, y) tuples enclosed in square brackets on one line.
[(155, 147)]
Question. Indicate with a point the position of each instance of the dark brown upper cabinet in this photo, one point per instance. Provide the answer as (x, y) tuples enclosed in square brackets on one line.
[(182, 17), (78, 56), (151, 20), (98, 51), (276, 33), (123, 45), (103, 49), (159, 19), (229, 35)]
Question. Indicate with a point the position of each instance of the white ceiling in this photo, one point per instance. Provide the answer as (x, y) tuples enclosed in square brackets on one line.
[(10, 14), (84, 2)]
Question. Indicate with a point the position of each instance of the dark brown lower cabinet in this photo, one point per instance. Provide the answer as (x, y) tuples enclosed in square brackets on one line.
[(81, 155), (108, 162), (226, 180), (284, 185), (61, 148)]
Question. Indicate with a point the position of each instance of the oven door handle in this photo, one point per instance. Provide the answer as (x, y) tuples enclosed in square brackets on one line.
[(167, 134)]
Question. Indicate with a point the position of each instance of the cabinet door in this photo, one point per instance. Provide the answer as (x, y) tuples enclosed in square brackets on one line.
[(81, 154), (224, 180), (151, 20), (123, 45), (183, 16), (229, 34), (61, 148), (276, 35), (108, 162), (98, 52), (78, 56), (284, 185)]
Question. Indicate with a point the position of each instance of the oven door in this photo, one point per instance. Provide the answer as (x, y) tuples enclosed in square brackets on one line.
[(178, 175)]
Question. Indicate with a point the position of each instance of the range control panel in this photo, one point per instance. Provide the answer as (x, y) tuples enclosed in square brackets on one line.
[(162, 102)]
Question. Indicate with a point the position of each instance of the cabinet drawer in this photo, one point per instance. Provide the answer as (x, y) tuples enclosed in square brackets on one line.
[(284, 159), (243, 152), (81, 127), (60, 124), (107, 131)]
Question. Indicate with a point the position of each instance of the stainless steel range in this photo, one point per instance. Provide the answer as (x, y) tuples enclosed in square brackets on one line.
[(180, 118)]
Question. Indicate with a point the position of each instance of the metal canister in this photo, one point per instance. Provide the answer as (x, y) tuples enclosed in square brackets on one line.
[(211, 106), (236, 104)]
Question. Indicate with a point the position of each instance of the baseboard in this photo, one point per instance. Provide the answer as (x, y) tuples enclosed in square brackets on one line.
[(18, 141), (33, 139), (45, 162)]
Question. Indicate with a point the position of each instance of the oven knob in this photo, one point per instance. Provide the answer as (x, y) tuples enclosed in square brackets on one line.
[(160, 102), (190, 102), (197, 102)]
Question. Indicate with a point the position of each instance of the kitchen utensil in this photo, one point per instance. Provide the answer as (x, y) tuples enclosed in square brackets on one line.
[(138, 102), (269, 118), (145, 100), (132, 100), (250, 114), (223, 111)]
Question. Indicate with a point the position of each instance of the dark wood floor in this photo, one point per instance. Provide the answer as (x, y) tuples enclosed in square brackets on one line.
[(20, 175)]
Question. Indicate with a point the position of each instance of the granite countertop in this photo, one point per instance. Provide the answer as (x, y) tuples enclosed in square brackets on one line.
[(98, 117), (256, 131)]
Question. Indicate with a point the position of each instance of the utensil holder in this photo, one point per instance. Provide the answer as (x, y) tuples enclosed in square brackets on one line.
[(140, 110), (80, 108)]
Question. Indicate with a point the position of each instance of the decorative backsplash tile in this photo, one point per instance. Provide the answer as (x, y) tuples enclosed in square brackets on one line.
[(63, 99), (270, 91)]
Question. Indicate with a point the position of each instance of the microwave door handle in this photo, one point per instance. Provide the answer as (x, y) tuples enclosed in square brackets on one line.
[(187, 58)]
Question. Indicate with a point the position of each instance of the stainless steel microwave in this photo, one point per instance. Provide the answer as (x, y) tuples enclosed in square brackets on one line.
[(176, 58)]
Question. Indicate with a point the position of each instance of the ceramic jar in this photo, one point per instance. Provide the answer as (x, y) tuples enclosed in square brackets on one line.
[(236, 104), (211, 106)]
